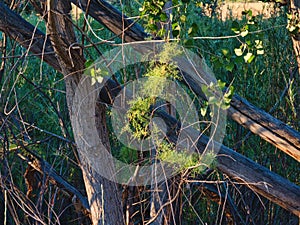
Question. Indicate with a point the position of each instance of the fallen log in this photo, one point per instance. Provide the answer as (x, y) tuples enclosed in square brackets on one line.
[(268, 184), (256, 120), (260, 179)]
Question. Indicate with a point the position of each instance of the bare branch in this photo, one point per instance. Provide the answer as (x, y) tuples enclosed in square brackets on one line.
[(27, 35)]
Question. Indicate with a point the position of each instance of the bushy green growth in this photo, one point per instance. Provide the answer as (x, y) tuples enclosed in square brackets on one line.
[(169, 52), (160, 70), (139, 117), (183, 160)]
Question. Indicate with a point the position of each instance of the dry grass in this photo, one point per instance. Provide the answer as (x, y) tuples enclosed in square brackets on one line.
[(235, 10)]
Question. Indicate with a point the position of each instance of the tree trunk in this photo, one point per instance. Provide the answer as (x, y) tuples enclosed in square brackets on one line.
[(103, 195), (295, 12)]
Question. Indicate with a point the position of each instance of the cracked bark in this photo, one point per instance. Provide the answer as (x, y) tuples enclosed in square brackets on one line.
[(103, 195)]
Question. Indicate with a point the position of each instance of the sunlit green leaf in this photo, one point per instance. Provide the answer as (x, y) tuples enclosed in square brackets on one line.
[(260, 52), (225, 51), (249, 57), (238, 51), (244, 33), (203, 109), (183, 18)]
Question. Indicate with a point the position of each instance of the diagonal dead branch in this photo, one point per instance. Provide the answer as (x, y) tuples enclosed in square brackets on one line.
[(243, 112)]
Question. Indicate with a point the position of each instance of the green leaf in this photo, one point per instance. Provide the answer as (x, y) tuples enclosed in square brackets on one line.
[(248, 41), (99, 79), (204, 89), (225, 106), (183, 18), (260, 52), (249, 57), (247, 12), (92, 72), (203, 110), (93, 80), (13, 146), (291, 28), (163, 17), (212, 100), (225, 51), (229, 93), (88, 63), (238, 51), (229, 67), (258, 44), (221, 84), (244, 33)]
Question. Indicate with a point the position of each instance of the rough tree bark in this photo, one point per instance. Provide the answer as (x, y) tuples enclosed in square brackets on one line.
[(103, 195), (294, 8)]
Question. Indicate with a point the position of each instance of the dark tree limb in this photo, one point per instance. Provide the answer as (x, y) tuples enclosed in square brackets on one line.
[(113, 19), (263, 181), (27, 35), (44, 167)]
